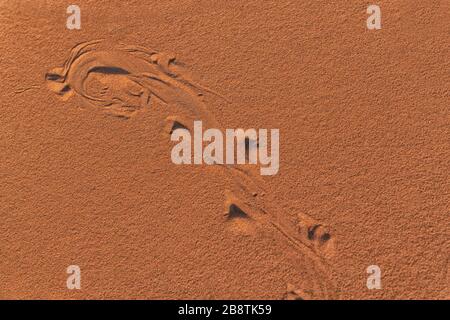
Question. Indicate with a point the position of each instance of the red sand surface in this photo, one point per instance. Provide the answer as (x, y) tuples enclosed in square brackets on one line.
[(364, 173)]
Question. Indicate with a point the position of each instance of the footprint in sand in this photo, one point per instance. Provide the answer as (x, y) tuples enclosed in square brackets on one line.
[(319, 236), (237, 220)]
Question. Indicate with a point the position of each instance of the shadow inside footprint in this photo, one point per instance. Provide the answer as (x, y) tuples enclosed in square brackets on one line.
[(319, 233), (318, 236), (237, 220), (177, 125), (173, 123), (235, 212)]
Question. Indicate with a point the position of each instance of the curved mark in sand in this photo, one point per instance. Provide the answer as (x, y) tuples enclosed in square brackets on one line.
[(123, 80)]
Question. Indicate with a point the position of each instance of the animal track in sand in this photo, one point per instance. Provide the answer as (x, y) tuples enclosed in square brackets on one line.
[(237, 220), (319, 236), (123, 80)]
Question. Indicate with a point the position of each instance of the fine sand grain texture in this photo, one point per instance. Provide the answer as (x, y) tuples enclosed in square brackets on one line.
[(85, 150)]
